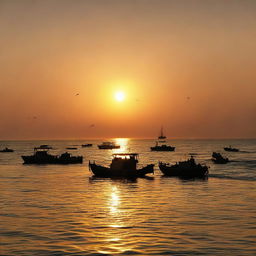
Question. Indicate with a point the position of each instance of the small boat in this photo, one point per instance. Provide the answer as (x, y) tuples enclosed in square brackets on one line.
[(163, 147), (231, 149), (217, 158), (45, 147), (184, 169), (162, 136), (6, 150), (71, 148), (108, 145), (67, 158), (86, 145), (41, 156), (122, 165)]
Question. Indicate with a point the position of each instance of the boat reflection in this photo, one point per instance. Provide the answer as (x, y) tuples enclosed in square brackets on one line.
[(93, 179)]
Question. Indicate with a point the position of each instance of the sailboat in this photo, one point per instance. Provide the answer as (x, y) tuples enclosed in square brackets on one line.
[(162, 147), (162, 136)]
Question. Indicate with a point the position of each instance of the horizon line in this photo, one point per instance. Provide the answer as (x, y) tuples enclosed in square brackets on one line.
[(130, 138)]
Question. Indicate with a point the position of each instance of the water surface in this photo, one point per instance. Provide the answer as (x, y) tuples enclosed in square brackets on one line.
[(63, 210)]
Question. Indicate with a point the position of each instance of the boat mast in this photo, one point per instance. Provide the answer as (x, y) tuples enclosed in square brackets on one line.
[(162, 132)]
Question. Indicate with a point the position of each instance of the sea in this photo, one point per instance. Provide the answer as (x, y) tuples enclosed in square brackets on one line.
[(55, 210)]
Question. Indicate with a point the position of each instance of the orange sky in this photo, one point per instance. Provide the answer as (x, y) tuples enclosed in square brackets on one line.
[(186, 65)]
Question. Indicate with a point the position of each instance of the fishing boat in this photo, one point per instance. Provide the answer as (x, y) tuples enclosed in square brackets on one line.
[(184, 169), (71, 148), (162, 147), (108, 145), (6, 150), (231, 149), (162, 136), (42, 156), (122, 165), (217, 158), (86, 145)]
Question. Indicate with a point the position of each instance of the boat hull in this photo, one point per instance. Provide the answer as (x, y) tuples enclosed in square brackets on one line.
[(106, 172), (86, 145), (184, 172), (220, 161), (169, 148), (107, 147), (231, 149), (52, 160)]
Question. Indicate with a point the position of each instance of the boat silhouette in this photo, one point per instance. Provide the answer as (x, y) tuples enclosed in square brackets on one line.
[(45, 146), (87, 145), (162, 136), (122, 165), (231, 149), (217, 158), (108, 145), (41, 156), (6, 150), (162, 147), (184, 169)]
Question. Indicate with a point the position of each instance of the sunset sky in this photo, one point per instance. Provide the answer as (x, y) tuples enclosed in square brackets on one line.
[(187, 65)]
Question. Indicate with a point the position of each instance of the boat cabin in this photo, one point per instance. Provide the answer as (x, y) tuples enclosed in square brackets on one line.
[(124, 161), (38, 151)]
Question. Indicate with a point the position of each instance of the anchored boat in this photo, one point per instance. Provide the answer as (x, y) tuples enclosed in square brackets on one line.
[(6, 150), (122, 165), (108, 145), (231, 149), (162, 136), (217, 158), (86, 145), (184, 169), (45, 147), (41, 156), (162, 147)]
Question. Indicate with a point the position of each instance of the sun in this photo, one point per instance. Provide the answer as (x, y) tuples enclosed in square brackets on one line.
[(119, 96)]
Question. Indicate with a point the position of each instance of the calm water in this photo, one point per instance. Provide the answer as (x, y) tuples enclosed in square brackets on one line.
[(62, 210)]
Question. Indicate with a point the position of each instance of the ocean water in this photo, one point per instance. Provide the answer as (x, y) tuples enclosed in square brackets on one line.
[(62, 210)]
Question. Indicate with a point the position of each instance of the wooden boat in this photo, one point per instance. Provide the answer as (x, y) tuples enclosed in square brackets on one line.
[(217, 158), (162, 147), (230, 149), (86, 145), (122, 165), (41, 156), (6, 150), (184, 169), (108, 145)]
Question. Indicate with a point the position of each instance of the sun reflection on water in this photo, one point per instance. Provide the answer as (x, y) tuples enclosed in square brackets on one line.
[(115, 237), (114, 201), (124, 143)]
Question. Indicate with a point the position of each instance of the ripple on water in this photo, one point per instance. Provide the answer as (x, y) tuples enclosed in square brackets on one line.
[(61, 210)]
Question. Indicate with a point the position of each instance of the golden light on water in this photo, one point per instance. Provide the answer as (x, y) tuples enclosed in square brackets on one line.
[(124, 143), (114, 201)]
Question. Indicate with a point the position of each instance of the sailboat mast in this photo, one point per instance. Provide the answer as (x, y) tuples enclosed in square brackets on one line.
[(162, 133)]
